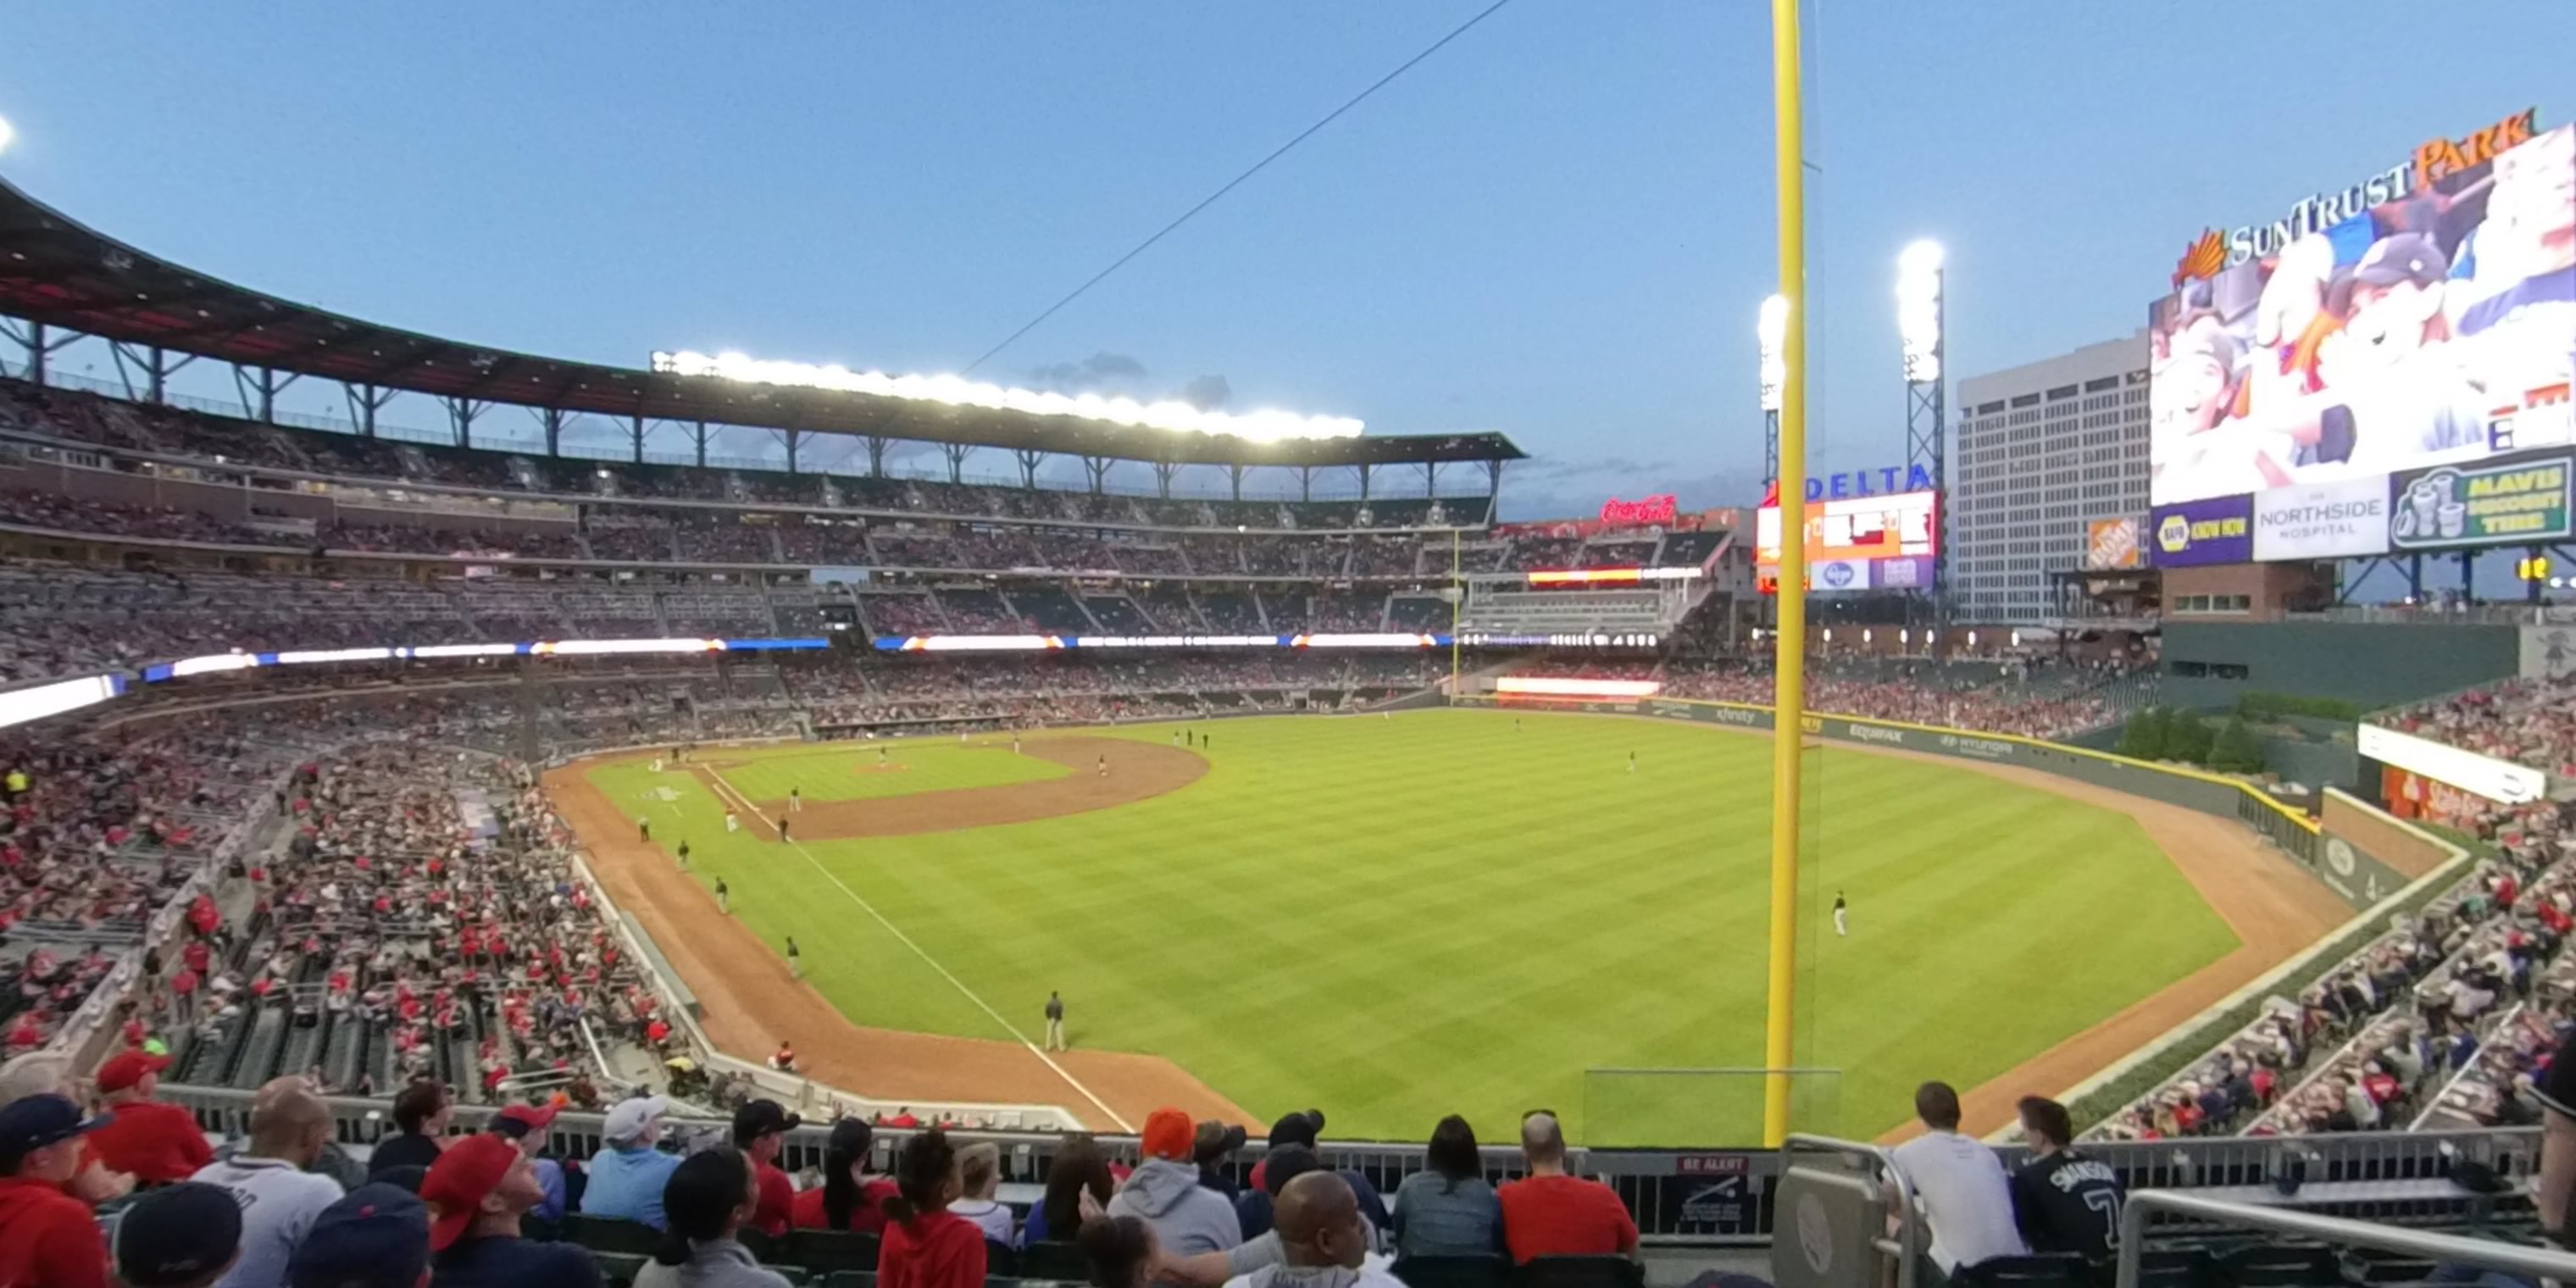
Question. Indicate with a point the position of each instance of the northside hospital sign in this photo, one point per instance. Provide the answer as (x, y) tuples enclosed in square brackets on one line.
[(2432, 159)]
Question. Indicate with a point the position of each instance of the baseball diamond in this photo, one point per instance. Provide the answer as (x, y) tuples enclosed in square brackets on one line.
[(1312, 909)]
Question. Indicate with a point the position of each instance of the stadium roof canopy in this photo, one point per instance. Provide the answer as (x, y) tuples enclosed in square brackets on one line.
[(56, 271)]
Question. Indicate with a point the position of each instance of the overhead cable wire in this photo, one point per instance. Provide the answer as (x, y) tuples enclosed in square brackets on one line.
[(1237, 181)]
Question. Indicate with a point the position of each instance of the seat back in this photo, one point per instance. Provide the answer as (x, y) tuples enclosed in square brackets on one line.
[(2039, 1270), (1579, 1272), (828, 1252), (1049, 1259), (1453, 1272), (610, 1234)]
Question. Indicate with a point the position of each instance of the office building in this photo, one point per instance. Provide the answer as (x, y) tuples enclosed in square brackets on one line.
[(2042, 449)]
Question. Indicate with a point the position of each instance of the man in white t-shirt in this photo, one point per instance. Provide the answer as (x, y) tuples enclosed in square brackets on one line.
[(1959, 1186), (279, 1200)]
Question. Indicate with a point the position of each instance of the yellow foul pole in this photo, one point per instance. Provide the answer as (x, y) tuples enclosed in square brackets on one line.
[(1789, 644)]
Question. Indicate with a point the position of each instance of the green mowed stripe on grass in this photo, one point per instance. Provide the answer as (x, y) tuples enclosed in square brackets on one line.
[(1461, 911), (840, 773)]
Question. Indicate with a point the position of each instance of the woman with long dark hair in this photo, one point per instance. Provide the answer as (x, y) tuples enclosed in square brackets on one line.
[(848, 1199), (1079, 1168), (1447, 1209), (710, 1197), (926, 1245)]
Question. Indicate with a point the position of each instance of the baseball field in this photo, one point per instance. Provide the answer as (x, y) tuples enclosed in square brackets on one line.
[(1395, 919)]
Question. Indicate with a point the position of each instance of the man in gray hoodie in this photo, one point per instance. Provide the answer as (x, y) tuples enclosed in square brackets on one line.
[(1165, 1193)]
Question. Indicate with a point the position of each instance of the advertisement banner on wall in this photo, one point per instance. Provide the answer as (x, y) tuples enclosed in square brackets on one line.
[(2497, 780), (2548, 652), (2214, 530), (1839, 576), (2512, 501), (2341, 520), (2113, 543)]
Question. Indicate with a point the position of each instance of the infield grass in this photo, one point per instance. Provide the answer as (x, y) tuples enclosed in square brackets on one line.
[(1462, 911)]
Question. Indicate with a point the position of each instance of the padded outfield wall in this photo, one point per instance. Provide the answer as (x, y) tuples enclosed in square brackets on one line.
[(2343, 863), (2208, 666)]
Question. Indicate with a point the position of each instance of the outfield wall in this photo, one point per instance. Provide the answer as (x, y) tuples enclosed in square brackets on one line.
[(2344, 864)]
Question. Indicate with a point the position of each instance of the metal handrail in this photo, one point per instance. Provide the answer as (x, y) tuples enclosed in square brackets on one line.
[(2539, 1263), (1906, 1245)]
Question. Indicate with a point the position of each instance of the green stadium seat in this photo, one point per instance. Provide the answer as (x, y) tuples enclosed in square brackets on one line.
[(619, 1268), (1579, 1272), (1453, 1272), (2177, 1268), (2041, 1270), (2291, 1265), (1001, 1260), (608, 1234), (826, 1252), (1053, 1260)]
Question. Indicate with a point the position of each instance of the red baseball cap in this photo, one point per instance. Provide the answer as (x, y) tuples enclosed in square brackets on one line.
[(1169, 1133), (517, 1121), (127, 1069), (465, 1173)]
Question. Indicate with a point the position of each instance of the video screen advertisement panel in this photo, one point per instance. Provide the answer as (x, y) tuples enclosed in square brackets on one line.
[(2423, 319), (1856, 544)]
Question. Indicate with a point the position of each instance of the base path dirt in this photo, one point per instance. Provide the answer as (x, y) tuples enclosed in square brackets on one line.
[(2275, 908), (750, 1001), (1107, 772)]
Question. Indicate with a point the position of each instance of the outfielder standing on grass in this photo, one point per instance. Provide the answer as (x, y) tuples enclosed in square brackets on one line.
[(684, 854), (1055, 1021), (1842, 915), (643, 828), (724, 898), (795, 963)]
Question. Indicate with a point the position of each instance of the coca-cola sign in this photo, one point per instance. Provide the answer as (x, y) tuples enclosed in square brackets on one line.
[(1650, 511)]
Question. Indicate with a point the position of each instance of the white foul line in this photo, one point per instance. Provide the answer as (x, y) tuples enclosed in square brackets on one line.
[(933, 963)]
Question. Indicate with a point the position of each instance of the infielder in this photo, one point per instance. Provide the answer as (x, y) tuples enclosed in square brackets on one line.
[(733, 821), (724, 898), (643, 828), (684, 854), (795, 800), (795, 963), (1055, 1022), (1842, 916)]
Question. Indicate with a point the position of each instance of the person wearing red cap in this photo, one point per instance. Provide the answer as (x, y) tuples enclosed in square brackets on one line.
[(153, 1142), (46, 1236), (477, 1191), (530, 1127), (1188, 1218)]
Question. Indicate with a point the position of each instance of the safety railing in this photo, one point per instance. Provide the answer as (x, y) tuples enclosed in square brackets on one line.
[(2452, 1250)]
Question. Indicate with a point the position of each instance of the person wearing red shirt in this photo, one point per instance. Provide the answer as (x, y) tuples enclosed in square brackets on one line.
[(1551, 1214), (196, 955), (860, 1198), (153, 1142), (759, 1129), (46, 1236), (926, 1245)]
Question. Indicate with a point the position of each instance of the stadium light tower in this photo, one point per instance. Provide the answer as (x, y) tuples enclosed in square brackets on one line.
[(1919, 319), (1789, 646), (1768, 326)]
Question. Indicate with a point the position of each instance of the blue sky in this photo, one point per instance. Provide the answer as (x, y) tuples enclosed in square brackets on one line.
[(1558, 227)]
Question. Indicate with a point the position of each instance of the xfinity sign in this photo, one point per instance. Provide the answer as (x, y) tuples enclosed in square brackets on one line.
[(2345, 520)]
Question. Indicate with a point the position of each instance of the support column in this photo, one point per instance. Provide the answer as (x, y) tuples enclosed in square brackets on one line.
[(877, 444), (266, 385), (1163, 479), (1234, 476), (1098, 468), (2469, 576), (1364, 482), (635, 435), (956, 454), (1305, 482), (1028, 458), (364, 402), (551, 420), (699, 438), (795, 438), (461, 414)]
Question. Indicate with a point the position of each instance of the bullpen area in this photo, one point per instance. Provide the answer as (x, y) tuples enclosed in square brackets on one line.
[(1445, 911)]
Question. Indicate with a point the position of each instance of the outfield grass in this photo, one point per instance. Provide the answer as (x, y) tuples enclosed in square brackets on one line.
[(1462, 911)]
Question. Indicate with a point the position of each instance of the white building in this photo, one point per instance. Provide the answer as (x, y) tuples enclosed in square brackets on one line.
[(2042, 449)]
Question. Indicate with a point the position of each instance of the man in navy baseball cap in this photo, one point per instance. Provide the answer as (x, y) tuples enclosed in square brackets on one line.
[(377, 1236), (179, 1236), (46, 1235)]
